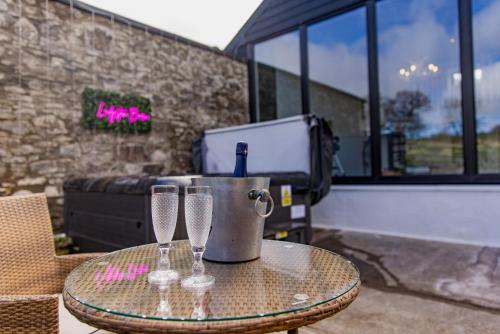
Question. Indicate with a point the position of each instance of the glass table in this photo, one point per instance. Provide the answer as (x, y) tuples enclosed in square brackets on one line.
[(289, 286)]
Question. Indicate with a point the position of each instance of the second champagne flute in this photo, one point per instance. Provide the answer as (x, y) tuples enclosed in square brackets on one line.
[(164, 206), (198, 203)]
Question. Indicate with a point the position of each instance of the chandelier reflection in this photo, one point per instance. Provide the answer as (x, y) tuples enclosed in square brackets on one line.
[(414, 70), (478, 75)]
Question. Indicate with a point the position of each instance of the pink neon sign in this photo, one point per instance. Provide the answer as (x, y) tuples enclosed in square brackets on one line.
[(116, 114)]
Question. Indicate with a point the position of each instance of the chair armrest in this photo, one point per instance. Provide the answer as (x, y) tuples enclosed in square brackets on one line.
[(29, 314), (69, 262), (66, 263)]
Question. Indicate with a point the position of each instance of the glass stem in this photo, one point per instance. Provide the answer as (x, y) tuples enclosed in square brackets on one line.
[(198, 266), (198, 311), (164, 261), (164, 306)]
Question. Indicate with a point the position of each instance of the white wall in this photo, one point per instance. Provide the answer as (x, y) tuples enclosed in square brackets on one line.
[(461, 213)]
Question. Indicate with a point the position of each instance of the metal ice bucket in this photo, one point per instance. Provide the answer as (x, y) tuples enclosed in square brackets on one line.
[(239, 212)]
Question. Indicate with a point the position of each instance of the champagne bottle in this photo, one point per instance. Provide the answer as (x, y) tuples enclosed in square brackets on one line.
[(240, 169)]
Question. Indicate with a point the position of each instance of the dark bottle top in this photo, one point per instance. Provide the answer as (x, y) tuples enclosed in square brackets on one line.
[(240, 169)]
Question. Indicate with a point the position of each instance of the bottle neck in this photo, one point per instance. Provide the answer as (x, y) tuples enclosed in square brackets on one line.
[(240, 170)]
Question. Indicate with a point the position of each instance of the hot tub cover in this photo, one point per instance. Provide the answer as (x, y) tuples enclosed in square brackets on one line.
[(287, 148), (122, 184)]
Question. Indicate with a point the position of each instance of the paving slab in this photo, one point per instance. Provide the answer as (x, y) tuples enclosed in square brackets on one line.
[(464, 273), (376, 311), (68, 324)]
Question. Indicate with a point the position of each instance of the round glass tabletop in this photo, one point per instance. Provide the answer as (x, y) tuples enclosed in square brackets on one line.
[(287, 277)]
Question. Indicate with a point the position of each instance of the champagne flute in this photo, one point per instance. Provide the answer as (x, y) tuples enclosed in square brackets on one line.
[(198, 203), (164, 204)]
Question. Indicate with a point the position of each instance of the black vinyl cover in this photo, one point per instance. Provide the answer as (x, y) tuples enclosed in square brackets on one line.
[(112, 184), (122, 184), (321, 158)]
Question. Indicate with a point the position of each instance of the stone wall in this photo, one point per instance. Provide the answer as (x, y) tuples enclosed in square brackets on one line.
[(49, 52)]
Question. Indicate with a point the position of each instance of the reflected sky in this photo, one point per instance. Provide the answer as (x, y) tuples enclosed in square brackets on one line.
[(282, 52), (419, 51), (338, 53), (345, 29), (486, 14), (400, 13), (417, 36)]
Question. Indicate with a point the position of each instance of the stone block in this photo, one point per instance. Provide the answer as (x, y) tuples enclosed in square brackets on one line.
[(159, 156), (25, 150), (29, 32), (72, 150), (31, 181), (22, 192), (16, 127), (3, 170), (133, 169), (18, 170), (50, 124), (44, 167), (52, 191), (135, 152)]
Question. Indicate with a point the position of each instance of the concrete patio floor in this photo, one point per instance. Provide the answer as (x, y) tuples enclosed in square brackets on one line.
[(376, 311), (409, 286), (464, 273)]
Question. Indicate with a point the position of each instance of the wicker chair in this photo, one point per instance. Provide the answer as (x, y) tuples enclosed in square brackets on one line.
[(31, 274)]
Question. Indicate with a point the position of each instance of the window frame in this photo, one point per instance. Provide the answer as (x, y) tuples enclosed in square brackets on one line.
[(466, 59)]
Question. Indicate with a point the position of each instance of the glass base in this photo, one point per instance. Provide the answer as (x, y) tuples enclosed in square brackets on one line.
[(162, 276), (164, 309), (198, 282)]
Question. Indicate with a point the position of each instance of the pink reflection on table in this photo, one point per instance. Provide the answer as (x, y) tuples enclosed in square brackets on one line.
[(113, 273)]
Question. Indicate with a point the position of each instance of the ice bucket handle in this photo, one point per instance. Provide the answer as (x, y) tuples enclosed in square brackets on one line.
[(261, 196)]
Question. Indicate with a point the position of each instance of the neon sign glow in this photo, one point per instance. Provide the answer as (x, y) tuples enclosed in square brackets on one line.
[(111, 111), (113, 273), (116, 114)]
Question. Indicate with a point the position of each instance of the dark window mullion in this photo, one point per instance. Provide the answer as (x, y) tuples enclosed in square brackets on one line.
[(253, 97), (468, 107), (304, 70), (374, 101)]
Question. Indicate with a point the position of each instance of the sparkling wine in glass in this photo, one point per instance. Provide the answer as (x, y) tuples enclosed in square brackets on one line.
[(164, 204), (198, 204)]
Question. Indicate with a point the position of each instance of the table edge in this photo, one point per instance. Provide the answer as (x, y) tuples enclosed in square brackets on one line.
[(280, 322)]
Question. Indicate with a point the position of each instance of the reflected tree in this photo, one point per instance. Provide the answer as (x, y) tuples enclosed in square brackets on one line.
[(402, 113), (453, 117)]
